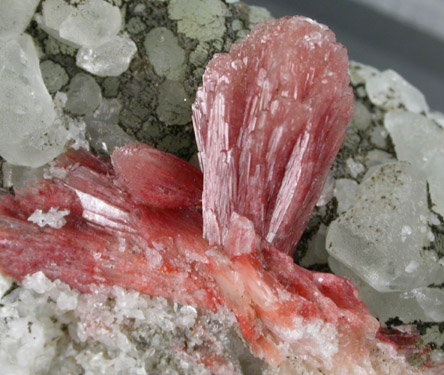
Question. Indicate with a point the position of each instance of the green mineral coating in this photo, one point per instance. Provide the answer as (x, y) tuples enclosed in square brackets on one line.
[(135, 25), (54, 47), (174, 106), (54, 76), (199, 19), (257, 14), (200, 54), (110, 87), (236, 25), (165, 54)]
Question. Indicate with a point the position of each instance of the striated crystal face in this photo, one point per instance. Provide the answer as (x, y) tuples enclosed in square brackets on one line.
[(269, 120)]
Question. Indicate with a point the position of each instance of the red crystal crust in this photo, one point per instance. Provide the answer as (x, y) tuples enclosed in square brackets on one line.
[(269, 120)]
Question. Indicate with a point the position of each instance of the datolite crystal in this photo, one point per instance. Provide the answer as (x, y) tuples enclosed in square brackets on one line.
[(269, 120)]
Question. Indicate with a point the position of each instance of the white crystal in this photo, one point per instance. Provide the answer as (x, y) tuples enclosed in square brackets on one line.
[(382, 233), (29, 135), (66, 301), (102, 127), (5, 284), (18, 176), (362, 117), (109, 59), (382, 305), (165, 53), (84, 95), (327, 192), (92, 23), (38, 282), (53, 218), (431, 301), (345, 192), (376, 157), (390, 91), (54, 12), (420, 141), (360, 73), (379, 137), (15, 16), (77, 133), (355, 168)]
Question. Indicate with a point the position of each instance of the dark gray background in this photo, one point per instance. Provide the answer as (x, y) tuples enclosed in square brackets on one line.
[(376, 39)]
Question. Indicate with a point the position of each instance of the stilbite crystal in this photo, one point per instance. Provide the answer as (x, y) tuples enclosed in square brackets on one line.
[(266, 150)]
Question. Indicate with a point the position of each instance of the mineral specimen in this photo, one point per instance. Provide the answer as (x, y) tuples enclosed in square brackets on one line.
[(128, 230)]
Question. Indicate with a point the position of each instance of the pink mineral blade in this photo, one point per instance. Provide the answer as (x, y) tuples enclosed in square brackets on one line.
[(269, 120)]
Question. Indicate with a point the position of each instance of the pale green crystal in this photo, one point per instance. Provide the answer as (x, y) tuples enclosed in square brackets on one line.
[(199, 19), (165, 54)]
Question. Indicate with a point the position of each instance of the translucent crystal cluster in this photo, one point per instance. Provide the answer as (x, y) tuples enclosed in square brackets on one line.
[(30, 136), (93, 26), (387, 238)]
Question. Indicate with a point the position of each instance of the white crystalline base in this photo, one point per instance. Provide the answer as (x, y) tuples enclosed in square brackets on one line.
[(47, 328)]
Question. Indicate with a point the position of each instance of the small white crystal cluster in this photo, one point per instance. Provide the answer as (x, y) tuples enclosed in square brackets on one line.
[(33, 125), (47, 328), (382, 238), (53, 218), (93, 27)]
